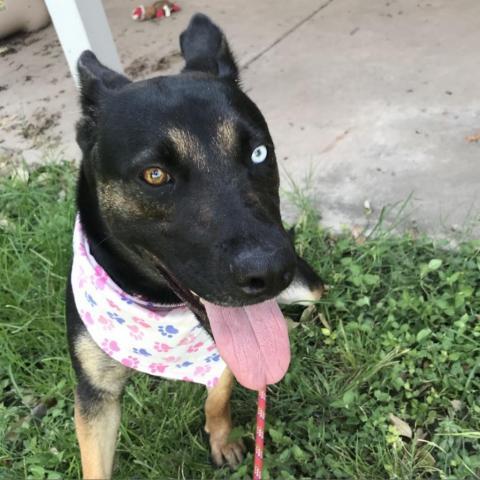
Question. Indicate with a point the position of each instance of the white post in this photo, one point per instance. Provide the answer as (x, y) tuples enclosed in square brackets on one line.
[(82, 25)]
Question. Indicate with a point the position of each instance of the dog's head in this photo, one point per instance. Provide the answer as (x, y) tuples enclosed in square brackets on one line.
[(184, 172)]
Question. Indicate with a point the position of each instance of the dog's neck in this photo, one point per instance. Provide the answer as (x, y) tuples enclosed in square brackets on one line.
[(125, 272)]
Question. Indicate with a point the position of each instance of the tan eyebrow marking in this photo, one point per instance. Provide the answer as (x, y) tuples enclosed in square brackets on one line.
[(188, 146), (226, 136)]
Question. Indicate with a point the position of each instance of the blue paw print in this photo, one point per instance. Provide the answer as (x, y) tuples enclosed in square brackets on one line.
[(168, 331), (116, 317), (184, 364), (126, 299), (90, 300), (142, 351), (213, 358)]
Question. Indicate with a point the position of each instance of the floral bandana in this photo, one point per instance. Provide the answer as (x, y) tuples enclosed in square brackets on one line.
[(163, 340)]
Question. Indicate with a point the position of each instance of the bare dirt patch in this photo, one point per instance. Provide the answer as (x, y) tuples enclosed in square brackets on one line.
[(144, 66)]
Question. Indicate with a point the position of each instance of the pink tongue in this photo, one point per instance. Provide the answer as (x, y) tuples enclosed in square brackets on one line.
[(253, 341)]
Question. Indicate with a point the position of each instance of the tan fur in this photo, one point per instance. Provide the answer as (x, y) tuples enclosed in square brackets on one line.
[(226, 137), (97, 427), (114, 199), (219, 424), (103, 372), (188, 146), (97, 438)]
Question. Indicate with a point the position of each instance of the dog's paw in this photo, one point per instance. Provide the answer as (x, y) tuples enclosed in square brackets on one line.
[(227, 453)]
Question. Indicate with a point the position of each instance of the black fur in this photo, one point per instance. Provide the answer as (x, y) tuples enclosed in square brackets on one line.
[(216, 225)]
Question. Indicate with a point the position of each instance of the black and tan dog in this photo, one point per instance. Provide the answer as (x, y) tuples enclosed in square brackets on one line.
[(178, 175)]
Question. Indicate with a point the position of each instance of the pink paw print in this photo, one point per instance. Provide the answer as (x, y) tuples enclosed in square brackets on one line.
[(141, 322), (101, 277), (113, 305), (172, 359), (211, 347), (202, 370), (82, 250), (212, 383), (195, 348), (81, 281), (135, 332), (130, 362), (161, 347), (187, 340), (110, 346), (157, 368), (106, 323), (87, 318)]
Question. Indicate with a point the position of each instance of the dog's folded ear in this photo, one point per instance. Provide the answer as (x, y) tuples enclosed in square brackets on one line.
[(96, 80), (205, 49)]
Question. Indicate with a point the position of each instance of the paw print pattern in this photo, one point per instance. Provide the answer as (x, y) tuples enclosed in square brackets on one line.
[(172, 359), (110, 347), (130, 362), (101, 278), (157, 367), (213, 382), (115, 316), (142, 351), (190, 338), (82, 250), (168, 331), (91, 301), (195, 348), (202, 370), (161, 347), (113, 305), (126, 299), (184, 364), (135, 332), (87, 318), (211, 347), (141, 322), (105, 322), (213, 358)]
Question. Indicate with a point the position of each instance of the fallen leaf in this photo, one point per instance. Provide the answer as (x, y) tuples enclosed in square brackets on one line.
[(456, 405), (324, 321), (401, 426), (473, 138), (308, 313), (291, 324)]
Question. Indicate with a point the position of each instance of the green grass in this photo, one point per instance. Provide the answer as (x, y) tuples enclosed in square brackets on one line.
[(397, 333)]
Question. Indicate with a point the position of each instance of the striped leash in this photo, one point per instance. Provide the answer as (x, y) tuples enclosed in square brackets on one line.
[(259, 434)]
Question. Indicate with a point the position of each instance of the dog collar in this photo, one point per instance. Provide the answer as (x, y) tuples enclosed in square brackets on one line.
[(162, 340)]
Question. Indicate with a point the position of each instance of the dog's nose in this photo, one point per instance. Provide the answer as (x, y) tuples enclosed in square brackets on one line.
[(263, 273)]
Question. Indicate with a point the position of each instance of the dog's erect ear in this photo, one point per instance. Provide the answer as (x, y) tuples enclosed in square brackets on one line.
[(205, 49), (96, 80)]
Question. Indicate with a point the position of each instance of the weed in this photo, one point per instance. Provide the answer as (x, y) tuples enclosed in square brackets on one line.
[(384, 382)]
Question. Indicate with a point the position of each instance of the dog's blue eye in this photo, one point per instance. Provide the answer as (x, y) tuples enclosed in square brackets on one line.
[(259, 154)]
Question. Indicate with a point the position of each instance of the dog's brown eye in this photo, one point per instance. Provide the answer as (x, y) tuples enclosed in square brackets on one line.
[(155, 176)]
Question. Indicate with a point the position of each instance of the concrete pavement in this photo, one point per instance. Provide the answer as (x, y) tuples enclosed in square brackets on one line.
[(375, 98)]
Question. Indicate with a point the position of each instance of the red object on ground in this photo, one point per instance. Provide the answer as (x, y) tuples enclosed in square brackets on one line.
[(260, 434), (155, 10)]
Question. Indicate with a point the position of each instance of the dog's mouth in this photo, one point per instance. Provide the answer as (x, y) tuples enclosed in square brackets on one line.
[(252, 340)]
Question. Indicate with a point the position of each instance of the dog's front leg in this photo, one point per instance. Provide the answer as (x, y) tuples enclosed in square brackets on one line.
[(97, 435), (219, 423), (97, 406)]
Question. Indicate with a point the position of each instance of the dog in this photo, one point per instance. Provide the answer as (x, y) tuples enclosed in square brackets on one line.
[(178, 213)]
